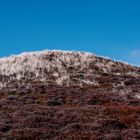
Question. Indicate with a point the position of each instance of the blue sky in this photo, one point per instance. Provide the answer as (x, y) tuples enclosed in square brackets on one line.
[(105, 27)]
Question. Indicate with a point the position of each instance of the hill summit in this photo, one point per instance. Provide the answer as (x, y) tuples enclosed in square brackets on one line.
[(64, 68)]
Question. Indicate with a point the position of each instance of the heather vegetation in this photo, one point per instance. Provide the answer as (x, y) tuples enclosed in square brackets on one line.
[(70, 107), (74, 113)]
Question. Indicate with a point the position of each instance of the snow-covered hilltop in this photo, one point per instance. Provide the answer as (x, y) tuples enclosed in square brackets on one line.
[(59, 67)]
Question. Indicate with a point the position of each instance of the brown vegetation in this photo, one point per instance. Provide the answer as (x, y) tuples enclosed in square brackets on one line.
[(70, 113), (56, 95)]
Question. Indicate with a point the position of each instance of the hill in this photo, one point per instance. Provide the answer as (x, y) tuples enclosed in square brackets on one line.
[(66, 95)]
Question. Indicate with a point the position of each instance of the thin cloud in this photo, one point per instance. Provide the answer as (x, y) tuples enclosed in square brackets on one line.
[(135, 53), (134, 57)]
